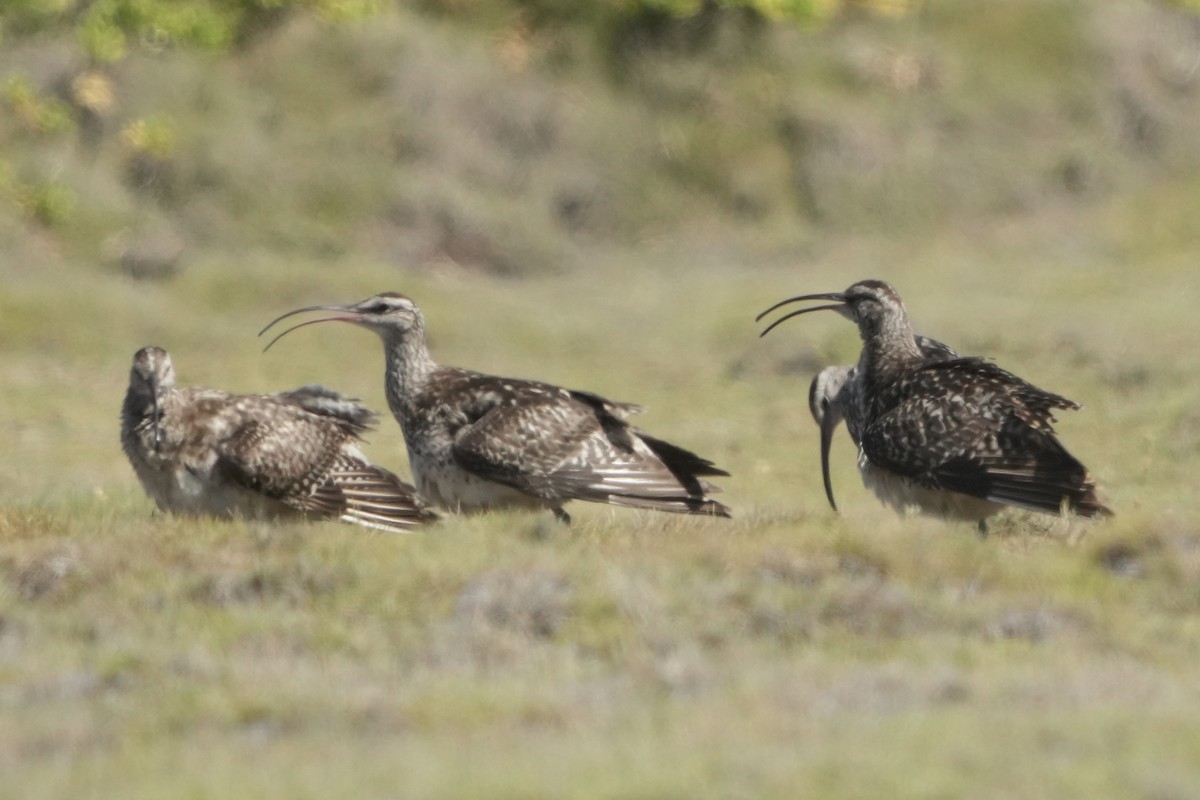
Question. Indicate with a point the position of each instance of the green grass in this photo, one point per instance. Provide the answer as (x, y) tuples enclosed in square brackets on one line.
[(788, 652), (631, 654)]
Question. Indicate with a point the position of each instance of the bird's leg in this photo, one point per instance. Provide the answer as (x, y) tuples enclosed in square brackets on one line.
[(561, 515), (982, 529)]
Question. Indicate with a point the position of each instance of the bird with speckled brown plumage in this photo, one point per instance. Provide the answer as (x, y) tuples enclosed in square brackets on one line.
[(478, 441), (292, 455), (836, 394), (951, 435)]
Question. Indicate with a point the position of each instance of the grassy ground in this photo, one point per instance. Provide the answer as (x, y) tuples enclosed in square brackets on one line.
[(631, 654), (786, 652)]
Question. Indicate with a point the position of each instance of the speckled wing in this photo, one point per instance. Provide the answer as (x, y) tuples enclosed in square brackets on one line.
[(311, 462), (852, 399), (564, 445), (933, 350), (366, 494), (326, 402), (968, 426), (1033, 405)]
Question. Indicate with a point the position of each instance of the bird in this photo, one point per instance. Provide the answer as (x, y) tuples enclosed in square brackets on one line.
[(478, 441), (291, 455), (955, 436), (834, 395)]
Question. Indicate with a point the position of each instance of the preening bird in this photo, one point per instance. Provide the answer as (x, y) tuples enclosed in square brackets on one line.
[(296, 454), (954, 436), (479, 441), (836, 394)]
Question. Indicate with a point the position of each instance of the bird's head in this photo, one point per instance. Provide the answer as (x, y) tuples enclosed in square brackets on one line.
[(152, 371), (151, 375), (823, 393), (871, 304), (391, 315), (825, 403)]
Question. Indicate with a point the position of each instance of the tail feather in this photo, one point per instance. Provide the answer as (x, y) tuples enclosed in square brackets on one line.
[(680, 460), (1026, 492), (383, 522), (1036, 487), (686, 467), (677, 505), (368, 495)]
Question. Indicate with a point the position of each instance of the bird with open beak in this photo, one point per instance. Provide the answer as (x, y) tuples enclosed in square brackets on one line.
[(478, 441), (952, 436)]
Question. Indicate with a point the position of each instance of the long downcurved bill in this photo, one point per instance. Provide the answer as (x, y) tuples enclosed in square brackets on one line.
[(838, 305), (156, 414), (348, 315), (829, 423)]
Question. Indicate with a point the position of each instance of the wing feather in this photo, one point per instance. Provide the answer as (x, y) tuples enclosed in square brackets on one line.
[(564, 446), (309, 461), (974, 428)]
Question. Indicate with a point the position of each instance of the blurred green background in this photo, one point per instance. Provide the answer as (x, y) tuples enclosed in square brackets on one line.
[(600, 195), (1026, 173)]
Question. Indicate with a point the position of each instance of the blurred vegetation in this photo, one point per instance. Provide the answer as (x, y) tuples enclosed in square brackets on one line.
[(516, 136), (108, 29)]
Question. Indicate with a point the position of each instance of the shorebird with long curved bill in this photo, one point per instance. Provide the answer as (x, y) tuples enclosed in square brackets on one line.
[(952, 436), (292, 455), (836, 394), (479, 441)]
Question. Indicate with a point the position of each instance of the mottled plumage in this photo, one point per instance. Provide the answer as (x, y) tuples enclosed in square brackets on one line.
[(957, 436), (294, 454), (836, 394), (479, 441)]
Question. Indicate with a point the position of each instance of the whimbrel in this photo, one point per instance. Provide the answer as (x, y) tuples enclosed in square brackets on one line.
[(954, 436), (479, 441), (205, 452), (836, 394)]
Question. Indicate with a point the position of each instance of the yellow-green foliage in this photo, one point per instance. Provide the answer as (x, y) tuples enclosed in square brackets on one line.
[(107, 29), (38, 114)]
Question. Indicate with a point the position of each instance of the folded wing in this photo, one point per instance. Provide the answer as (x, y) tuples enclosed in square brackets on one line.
[(982, 431), (310, 461), (576, 447)]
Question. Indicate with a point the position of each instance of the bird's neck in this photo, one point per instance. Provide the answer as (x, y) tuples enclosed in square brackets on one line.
[(137, 404), (409, 366), (140, 424), (889, 348)]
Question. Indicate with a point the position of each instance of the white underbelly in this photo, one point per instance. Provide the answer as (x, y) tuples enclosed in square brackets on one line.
[(181, 491), (904, 495), (455, 489)]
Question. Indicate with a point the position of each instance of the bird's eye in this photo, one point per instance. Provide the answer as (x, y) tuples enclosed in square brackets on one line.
[(379, 308)]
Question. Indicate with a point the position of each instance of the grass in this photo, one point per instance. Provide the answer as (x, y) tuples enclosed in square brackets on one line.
[(631, 654), (788, 651)]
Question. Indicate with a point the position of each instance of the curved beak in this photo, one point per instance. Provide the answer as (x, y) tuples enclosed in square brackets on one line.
[(838, 305), (346, 314), (828, 424), (156, 413)]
